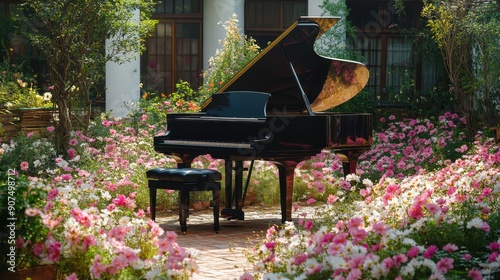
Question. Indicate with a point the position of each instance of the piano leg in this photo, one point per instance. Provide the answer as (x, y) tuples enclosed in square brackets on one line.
[(286, 177), (238, 184), (229, 212), (349, 167), (228, 169)]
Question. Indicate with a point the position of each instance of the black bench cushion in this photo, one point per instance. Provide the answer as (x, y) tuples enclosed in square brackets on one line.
[(185, 175)]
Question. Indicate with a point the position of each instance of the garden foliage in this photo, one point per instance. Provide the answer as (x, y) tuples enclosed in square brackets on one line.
[(93, 206)]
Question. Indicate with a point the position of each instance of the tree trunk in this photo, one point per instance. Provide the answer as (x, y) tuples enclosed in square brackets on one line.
[(466, 102), (63, 128)]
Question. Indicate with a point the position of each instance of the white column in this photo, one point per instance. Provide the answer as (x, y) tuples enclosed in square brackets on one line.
[(122, 86), (215, 11), (122, 83), (313, 8)]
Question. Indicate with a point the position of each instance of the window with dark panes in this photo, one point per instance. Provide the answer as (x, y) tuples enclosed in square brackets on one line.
[(173, 52), (267, 19), (11, 44), (396, 72)]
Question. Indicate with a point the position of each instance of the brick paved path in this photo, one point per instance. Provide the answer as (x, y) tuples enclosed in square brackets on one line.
[(222, 255)]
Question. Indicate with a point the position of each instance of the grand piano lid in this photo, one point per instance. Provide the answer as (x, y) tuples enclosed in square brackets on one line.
[(326, 82)]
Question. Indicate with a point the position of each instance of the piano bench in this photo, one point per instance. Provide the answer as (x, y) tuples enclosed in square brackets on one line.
[(185, 180)]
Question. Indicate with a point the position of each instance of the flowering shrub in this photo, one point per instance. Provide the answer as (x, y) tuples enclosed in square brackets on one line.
[(152, 109), (432, 225), (407, 146), (16, 202), (92, 210), (93, 226), (88, 212), (19, 90), (237, 50), (31, 154)]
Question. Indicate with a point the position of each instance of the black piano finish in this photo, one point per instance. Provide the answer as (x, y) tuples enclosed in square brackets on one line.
[(264, 113)]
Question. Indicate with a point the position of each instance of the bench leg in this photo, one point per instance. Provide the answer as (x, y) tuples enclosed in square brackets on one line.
[(216, 201), (183, 209), (152, 200)]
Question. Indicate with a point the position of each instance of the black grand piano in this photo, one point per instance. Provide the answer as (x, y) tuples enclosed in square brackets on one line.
[(272, 110)]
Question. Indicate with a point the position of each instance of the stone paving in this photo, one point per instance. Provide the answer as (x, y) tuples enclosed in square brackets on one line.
[(222, 255)]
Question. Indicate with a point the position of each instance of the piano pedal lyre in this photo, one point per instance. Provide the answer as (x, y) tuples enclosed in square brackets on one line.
[(232, 214)]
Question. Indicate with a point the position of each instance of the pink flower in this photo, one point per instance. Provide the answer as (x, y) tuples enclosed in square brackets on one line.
[(97, 267), (32, 212), (444, 265), (120, 200), (431, 250), (320, 187), (52, 194), (432, 208), (71, 153), (88, 241), (53, 249), (71, 277), (73, 142), (140, 213), (467, 257), (311, 201), (475, 274), (308, 224), (388, 263), (354, 223), (111, 207), (345, 185), (38, 249), (51, 129), (332, 199), (24, 165), (492, 257), (450, 248), (358, 235), (415, 211), (340, 238), (379, 228), (413, 252), (246, 276), (299, 258), (494, 246), (270, 245)]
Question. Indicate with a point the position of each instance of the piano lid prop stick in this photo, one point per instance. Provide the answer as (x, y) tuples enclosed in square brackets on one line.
[(304, 96)]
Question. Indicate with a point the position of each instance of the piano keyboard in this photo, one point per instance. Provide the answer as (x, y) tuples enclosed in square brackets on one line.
[(207, 144)]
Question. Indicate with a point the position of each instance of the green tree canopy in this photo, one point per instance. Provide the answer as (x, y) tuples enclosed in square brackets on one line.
[(71, 34), (467, 33)]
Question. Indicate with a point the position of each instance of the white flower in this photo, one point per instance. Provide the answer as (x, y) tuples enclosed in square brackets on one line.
[(137, 264), (153, 274), (258, 267), (367, 182), (47, 96), (73, 203), (476, 223)]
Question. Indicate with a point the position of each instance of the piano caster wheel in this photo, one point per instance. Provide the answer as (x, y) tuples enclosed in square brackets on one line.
[(217, 232), (184, 233)]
